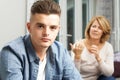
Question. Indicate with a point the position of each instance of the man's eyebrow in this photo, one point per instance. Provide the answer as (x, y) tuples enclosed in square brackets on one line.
[(40, 23)]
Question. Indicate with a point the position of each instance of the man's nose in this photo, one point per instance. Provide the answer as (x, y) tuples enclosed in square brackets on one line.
[(46, 31)]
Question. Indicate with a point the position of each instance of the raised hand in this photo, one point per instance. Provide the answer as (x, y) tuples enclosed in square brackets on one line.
[(77, 48)]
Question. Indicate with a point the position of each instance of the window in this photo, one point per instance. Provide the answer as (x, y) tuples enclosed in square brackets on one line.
[(70, 22)]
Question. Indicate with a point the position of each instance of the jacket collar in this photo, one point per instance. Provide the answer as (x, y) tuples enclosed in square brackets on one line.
[(30, 50)]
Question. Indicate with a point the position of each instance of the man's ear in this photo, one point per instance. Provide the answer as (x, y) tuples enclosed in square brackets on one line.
[(28, 27)]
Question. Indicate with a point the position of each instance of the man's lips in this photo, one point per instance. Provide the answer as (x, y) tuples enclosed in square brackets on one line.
[(45, 39)]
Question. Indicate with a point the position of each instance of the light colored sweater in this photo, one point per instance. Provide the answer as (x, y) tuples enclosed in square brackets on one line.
[(90, 69)]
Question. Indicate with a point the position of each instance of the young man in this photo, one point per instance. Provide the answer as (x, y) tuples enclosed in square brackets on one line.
[(38, 56)]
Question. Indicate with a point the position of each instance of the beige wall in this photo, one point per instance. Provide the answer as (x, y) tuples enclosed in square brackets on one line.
[(12, 19)]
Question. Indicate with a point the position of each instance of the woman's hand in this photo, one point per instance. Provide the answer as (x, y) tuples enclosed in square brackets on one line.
[(77, 48), (95, 50)]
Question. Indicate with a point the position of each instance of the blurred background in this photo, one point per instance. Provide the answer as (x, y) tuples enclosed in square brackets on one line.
[(75, 15)]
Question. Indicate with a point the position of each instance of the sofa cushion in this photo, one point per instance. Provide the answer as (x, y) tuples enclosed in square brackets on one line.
[(116, 64), (116, 69)]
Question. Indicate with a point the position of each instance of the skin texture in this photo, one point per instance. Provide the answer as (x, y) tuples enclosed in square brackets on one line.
[(95, 31), (43, 30)]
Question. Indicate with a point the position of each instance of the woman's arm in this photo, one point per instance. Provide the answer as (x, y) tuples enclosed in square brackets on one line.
[(76, 52), (106, 66)]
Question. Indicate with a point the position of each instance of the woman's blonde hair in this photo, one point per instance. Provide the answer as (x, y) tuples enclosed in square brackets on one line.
[(105, 26)]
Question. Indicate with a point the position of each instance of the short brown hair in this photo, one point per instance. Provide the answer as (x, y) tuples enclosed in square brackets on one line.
[(105, 25), (45, 7)]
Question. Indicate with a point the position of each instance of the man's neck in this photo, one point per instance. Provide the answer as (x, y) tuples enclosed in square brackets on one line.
[(41, 52)]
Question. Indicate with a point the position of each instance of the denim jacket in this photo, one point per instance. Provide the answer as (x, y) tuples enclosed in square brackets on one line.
[(18, 61)]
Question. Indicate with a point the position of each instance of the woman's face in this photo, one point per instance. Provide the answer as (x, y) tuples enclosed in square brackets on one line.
[(95, 31)]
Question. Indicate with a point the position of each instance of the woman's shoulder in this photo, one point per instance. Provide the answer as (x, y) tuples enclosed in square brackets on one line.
[(108, 44)]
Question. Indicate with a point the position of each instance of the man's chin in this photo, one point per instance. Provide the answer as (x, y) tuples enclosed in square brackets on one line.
[(45, 46)]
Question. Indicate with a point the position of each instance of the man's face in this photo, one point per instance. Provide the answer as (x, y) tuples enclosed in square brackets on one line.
[(43, 29)]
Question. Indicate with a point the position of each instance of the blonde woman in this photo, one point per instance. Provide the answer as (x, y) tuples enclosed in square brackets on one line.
[(93, 56)]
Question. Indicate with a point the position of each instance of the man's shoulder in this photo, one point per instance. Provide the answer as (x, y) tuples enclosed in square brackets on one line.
[(58, 48), (58, 45), (16, 46), (16, 43)]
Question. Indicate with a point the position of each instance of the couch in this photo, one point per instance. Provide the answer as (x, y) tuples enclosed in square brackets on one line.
[(116, 73)]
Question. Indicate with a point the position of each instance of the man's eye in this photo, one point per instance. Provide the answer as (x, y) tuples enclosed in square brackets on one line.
[(53, 27), (41, 26)]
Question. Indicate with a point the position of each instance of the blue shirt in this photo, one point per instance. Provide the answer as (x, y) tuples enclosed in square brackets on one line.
[(18, 61)]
